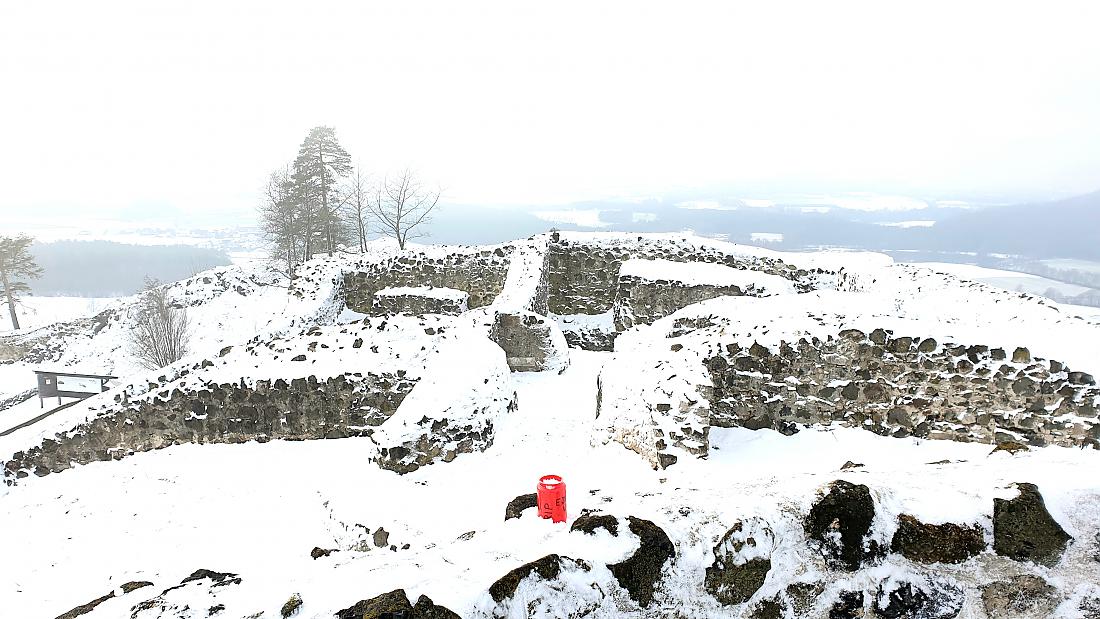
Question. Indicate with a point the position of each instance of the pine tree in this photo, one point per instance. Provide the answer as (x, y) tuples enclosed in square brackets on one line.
[(320, 165), (16, 264)]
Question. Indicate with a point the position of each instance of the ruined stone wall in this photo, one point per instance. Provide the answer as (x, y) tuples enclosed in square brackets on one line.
[(584, 277), (303, 408), (905, 386), (641, 301), (481, 274), (418, 305)]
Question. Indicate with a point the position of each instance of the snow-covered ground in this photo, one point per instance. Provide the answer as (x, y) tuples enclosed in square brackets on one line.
[(36, 312), (1007, 280), (257, 511)]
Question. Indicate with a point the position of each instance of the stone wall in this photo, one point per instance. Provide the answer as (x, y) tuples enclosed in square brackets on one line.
[(528, 341), (419, 304), (584, 277), (905, 386), (640, 301), (299, 409), (481, 274)]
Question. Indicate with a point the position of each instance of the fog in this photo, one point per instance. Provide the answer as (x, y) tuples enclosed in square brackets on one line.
[(791, 124), (185, 107)]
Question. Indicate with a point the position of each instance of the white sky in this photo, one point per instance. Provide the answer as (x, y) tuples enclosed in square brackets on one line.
[(191, 104)]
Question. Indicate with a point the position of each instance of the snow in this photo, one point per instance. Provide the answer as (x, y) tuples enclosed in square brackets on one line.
[(696, 274), (34, 312), (766, 237), (914, 223), (258, 509), (705, 205), (1007, 280)]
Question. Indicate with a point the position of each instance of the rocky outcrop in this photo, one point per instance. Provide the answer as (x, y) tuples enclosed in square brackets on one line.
[(1021, 597), (742, 560), (839, 526), (936, 543), (174, 601), (1023, 529), (639, 572)]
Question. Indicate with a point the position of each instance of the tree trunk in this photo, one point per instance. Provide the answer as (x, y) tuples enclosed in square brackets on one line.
[(10, 300)]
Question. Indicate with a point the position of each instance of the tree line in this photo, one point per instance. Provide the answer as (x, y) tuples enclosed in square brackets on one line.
[(321, 203)]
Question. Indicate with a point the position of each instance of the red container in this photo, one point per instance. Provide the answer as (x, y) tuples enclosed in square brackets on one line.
[(551, 493)]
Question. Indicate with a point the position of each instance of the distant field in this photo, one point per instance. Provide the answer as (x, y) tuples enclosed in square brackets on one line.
[(1069, 264), (1008, 280), (39, 311)]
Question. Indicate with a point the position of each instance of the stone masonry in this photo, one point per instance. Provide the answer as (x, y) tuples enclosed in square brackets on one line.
[(905, 386)]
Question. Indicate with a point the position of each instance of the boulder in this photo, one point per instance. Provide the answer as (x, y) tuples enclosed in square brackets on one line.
[(1021, 597), (639, 573), (547, 568), (910, 600), (839, 525), (319, 552), (396, 604), (742, 560), (1021, 355), (1023, 529), (516, 506), (588, 523), (848, 605), (936, 543), (291, 607)]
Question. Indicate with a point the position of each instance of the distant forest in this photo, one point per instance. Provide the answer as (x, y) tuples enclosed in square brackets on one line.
[(104, 268)]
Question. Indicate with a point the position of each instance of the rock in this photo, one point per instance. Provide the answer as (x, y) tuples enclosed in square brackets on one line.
[(1023, 529), (291, 606), (515, 507), (1011, 447), (742, 560), (803, 596), (426, 609), (547, 568), (849, 605), (1021, 355), (219, 578), (84, 609), (768, 609), (639, 573), (906, 600), (298, 358), (851, 465), (225, 351), (1020, 597), (927, 345), (381, 538), (319, 552), (1090, 608), (134, 585), (588, 523), (936, 543), (839, 525), (385, 605)]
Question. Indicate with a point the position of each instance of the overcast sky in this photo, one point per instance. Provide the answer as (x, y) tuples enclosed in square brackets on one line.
[(190, 104)]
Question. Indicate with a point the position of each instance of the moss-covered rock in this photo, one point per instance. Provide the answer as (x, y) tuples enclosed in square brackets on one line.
[(1023, 529), (936, 543)]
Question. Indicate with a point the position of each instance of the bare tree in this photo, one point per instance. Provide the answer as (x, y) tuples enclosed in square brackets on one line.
[(160, 333), (16, 262), (356, 207), (282, 220), (400, 205)]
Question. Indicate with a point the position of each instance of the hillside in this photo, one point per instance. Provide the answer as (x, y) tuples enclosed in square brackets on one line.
[(742, 432)]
